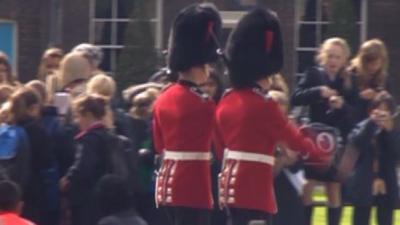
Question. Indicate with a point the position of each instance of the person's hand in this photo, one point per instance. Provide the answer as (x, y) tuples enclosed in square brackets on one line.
[(292, 157), (64, 184), (336, 102), (368, 94), (327, 92), (378, 187), (289, 157), (292, 119)]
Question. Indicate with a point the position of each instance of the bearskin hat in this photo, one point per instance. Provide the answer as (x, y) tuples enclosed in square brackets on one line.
[(254, 48), (192, 37)]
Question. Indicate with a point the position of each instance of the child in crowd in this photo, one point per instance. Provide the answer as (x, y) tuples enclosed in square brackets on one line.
[(49, 63), (11, 204)]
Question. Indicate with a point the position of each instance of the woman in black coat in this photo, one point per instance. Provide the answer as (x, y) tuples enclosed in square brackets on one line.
[(327, 90), (374, 179), (25, 112), (90, 159), (369, 68)]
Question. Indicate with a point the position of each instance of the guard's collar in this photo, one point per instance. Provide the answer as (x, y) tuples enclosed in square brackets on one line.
[(193, 87)]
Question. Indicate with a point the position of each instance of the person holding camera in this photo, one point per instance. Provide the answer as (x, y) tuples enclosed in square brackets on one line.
[(374, 180)]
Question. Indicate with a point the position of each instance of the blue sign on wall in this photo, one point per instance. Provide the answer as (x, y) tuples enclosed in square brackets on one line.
[(7, 40)]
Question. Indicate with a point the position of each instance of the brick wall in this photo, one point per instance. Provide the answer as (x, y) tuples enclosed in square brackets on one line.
[(31, 24), (32, 19), (75, 20), (383, 23)]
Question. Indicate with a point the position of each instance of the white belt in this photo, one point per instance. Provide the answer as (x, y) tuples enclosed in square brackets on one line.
[(248, 156), (182, 156)]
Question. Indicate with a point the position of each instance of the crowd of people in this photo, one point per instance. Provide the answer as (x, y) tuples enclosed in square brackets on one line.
[(185, 148)]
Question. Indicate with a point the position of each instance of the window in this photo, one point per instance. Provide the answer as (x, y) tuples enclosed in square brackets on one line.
[(317, 20), (8, 43), (109, 22), (229, 21)]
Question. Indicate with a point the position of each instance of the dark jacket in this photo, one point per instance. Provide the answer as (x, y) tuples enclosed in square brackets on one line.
[(42, 155), (129, 217), (41, 160), (122, 122), (361, 105), (308, 93), (89, 166), (61, 138), (373, 144)]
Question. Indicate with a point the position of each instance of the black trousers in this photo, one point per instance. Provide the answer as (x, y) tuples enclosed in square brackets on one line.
[(362, 214), (187, 216), (248, 217), (384, 211), (146, 207)]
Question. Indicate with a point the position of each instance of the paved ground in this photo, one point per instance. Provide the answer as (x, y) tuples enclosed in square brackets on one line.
[(319, 216)]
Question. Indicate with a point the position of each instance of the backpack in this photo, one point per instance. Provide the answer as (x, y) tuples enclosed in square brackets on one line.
[(121, 159), (14, 154)]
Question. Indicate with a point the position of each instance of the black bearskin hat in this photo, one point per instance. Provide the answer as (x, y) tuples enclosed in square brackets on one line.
[(191, 41), (254, 48)]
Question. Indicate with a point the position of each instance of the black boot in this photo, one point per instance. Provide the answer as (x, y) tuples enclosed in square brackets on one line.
[(334, 215)]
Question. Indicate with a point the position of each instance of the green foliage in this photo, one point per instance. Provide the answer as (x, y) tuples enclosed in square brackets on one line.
[(139, 59)]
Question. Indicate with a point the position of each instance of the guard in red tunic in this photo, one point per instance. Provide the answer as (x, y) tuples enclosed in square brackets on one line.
[(184, 118), (250, 123)]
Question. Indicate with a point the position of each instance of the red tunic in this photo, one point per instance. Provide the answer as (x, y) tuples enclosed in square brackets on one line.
[(250, 122), (183, 123), (11, 218)]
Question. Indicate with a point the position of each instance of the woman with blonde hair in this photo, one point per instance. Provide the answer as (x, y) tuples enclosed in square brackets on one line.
[(370, 69), (327, 90), (72, 77), (105, 86), (49, 63), (101, 84), (116, 118)]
